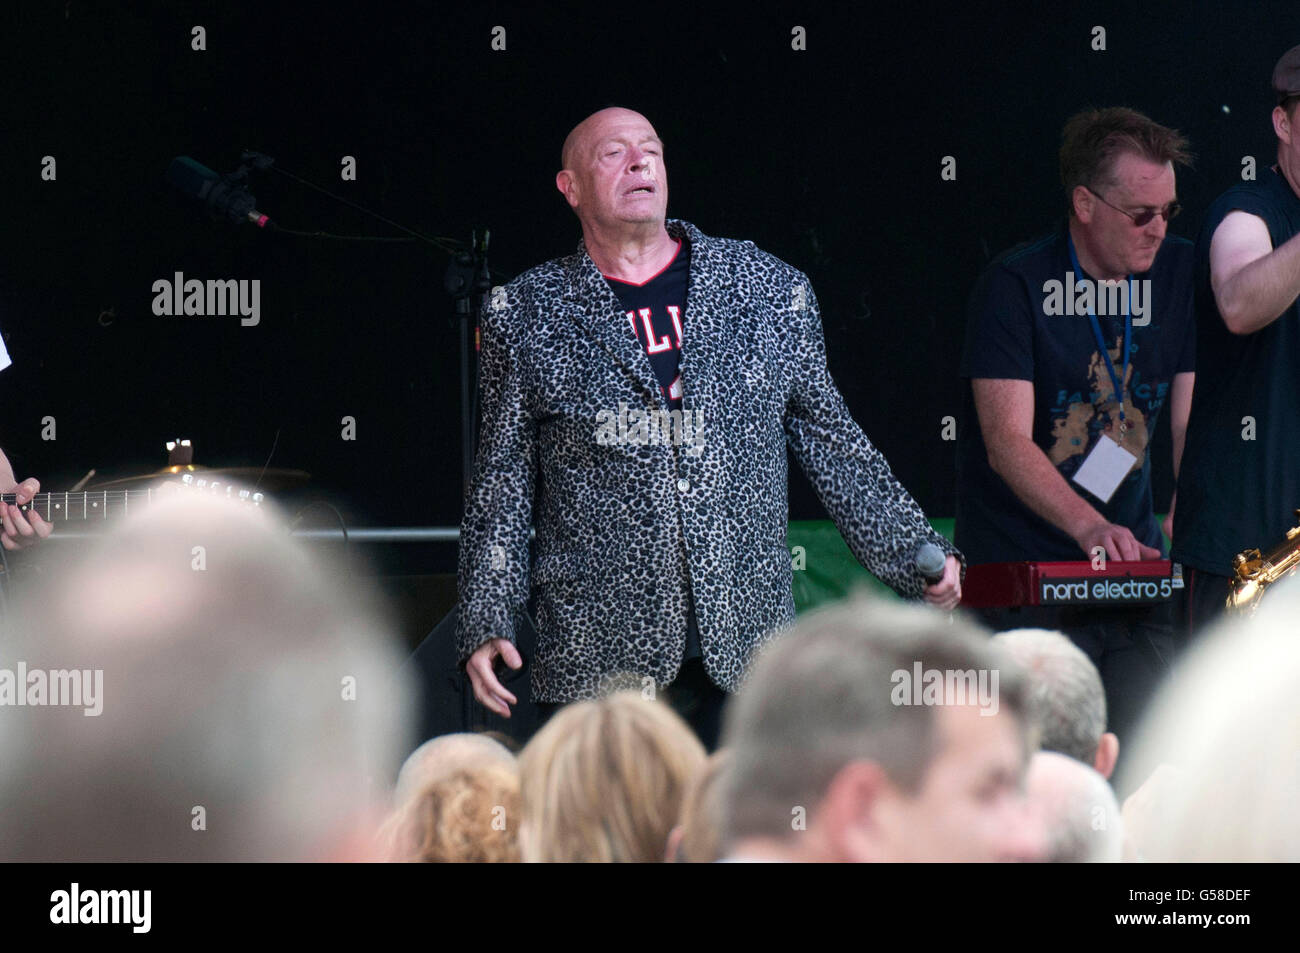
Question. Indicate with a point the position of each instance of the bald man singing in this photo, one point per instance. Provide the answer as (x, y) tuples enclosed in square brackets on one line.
[(637, 400)]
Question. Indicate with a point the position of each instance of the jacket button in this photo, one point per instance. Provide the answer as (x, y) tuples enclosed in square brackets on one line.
[(683, 485)]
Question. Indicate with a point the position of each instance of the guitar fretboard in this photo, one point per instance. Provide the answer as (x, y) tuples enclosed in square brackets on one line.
[(87, 505)]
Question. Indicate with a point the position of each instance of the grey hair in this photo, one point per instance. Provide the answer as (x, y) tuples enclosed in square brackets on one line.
[(822, 695), (1066, 699)]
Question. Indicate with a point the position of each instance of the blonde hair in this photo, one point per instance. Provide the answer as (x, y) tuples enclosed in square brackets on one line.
[(445, 755), (469, 816), (604, 781)]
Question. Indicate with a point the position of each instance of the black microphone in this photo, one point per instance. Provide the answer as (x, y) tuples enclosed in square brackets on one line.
[(931, 562), (224, 198)]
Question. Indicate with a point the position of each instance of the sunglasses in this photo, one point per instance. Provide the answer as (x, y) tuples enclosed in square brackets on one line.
[(1169, 212)]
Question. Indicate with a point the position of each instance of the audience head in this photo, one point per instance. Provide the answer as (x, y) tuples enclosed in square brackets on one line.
[(469, 815), (844, 747), (603, 780), (445, 755), (1229, 724), (697, 838), (1077, 808), (1066, 701), (249, 701)]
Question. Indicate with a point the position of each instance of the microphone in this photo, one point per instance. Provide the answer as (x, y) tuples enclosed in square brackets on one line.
[(223, 197), (930, 562)]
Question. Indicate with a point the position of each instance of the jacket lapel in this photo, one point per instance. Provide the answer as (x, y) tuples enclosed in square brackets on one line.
[(705, 322), (593, 306)]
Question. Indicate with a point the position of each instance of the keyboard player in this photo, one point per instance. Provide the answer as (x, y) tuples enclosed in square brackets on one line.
[(1074, 345)]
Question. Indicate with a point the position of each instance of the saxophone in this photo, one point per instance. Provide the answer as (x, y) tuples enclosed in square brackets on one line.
[(1253, 572)]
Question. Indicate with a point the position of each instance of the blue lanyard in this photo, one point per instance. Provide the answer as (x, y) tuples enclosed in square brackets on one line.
[(1096, 328)]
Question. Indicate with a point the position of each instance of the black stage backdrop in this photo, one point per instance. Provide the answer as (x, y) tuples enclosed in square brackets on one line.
[(828, 157)]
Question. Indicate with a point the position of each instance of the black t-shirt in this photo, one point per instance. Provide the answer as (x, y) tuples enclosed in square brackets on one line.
[(656, 309), (1011, 334), (1236, 493)]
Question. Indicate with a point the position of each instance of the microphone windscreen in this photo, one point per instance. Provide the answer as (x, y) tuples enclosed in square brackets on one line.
[(930, 561)]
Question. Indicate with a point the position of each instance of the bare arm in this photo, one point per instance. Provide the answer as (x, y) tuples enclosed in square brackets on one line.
[(1006, 413), (1253, 283), (7, 481)]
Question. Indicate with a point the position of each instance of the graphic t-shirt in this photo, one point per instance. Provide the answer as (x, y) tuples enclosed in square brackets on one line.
[(1239, 485), (656, 308), (1018, 329)]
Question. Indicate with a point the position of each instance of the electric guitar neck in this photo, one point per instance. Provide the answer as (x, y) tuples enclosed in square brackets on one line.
[(101, 505)]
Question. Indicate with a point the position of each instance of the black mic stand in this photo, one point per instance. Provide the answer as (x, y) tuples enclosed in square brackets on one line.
[(468, 277)]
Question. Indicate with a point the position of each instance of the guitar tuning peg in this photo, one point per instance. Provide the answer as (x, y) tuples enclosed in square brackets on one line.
[(243, 494), (258, 498)]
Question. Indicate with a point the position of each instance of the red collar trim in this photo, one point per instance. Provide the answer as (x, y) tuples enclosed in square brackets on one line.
[(641, 284)]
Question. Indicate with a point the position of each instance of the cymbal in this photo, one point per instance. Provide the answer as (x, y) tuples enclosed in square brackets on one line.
[(246, 478)]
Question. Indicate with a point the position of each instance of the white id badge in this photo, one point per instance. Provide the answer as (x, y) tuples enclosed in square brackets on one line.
[(1104, 469)]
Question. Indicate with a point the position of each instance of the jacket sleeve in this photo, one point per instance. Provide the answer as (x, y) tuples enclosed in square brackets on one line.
[(883, 526), (492, 578)]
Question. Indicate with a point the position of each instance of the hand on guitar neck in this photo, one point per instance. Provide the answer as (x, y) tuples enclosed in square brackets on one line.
[(18, 530)]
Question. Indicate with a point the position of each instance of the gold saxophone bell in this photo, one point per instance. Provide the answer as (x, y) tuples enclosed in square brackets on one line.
[(1253, 571)]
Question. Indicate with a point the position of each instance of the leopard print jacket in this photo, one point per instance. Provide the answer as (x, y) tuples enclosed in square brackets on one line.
[(634, 513)]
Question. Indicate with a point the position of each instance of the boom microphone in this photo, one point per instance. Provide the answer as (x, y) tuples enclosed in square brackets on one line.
[(222, 196)]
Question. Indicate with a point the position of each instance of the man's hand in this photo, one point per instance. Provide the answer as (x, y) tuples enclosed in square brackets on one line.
[(19, 530), (490, 692), (946, 593), (1118, 541)]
